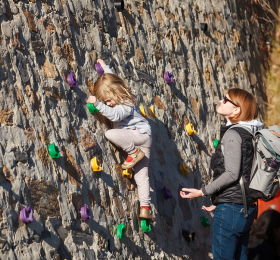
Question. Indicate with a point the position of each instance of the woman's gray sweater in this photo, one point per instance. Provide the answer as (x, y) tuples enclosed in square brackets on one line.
[(232, 160)]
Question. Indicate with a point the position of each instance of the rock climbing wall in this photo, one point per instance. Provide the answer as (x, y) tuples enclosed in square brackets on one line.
[(41, 42)]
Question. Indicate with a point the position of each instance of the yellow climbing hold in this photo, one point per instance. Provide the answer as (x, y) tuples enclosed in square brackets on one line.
[(184, 169), (152, 111), (190, 129), (127, 173), (141, 107), (95, 164)]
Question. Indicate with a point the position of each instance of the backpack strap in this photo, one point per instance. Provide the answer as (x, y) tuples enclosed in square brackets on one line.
[(242, 179)]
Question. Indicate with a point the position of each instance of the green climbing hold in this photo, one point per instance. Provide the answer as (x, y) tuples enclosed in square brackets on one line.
[(215, 142), (120, 231), (92, 108), (145, 225), (54, 151), (205, 221)]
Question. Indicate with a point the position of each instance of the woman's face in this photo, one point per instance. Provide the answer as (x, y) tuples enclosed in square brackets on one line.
[(227, 109)]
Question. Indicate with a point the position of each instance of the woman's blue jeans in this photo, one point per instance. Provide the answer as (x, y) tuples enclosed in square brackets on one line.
[(231, 231)]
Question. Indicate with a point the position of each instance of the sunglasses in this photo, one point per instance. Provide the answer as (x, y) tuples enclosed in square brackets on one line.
[(225, 100)]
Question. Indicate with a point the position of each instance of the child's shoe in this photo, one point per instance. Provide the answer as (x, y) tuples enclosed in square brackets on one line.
[(145, 213), (133, 158)]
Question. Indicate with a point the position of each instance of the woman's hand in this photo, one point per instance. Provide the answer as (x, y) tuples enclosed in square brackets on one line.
[(92, 99), (192, 193), (102, 63), (211, 208)]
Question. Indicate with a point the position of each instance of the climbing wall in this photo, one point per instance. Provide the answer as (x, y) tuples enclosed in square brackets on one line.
[(41, 42)]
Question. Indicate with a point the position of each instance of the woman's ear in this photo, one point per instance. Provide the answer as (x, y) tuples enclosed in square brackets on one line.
[(236, 111)]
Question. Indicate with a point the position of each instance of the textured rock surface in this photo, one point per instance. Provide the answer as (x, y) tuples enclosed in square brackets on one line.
[(41, 43)]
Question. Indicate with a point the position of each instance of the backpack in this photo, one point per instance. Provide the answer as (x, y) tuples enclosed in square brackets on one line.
[(264, 180)]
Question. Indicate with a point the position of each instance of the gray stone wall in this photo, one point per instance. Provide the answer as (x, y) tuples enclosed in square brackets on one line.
[(43, 41)]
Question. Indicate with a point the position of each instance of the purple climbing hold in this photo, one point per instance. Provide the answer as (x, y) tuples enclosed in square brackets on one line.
[(99, 69), (166, 193), (26, 215), (168, 77), (85, 214), (71, 80)]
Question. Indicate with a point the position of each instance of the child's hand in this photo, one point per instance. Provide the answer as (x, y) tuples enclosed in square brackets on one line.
[(92, 99), (102, 63)]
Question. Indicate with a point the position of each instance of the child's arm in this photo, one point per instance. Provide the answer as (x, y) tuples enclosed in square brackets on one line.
[(105, 67), (115, 114)]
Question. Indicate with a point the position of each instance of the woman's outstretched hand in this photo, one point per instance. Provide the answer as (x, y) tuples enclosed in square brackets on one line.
[(102, 63), (211, 208), (192, 193), (92, 99)]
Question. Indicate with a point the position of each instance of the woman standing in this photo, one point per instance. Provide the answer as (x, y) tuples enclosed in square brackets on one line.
[(231, 160)]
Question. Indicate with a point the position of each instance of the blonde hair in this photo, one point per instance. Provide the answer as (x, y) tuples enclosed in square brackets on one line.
[(247, 103), (113, 87)]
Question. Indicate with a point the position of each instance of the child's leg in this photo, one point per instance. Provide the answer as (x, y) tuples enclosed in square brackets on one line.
[(123, 138), (142, 178), (129, 140)]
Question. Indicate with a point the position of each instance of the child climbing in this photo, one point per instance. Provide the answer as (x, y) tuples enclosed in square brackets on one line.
[(131, 131)]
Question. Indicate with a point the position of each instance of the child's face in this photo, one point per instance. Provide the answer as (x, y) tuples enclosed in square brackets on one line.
[(109, 102)]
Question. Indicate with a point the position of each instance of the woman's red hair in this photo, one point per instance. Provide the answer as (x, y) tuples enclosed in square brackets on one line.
[(247, 103)]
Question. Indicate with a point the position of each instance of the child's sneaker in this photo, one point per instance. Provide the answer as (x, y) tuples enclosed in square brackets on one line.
[(133, 158), (145, 213)]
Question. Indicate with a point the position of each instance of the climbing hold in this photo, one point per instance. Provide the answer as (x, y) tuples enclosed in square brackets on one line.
[(190, 129), (166, 193), (120, 231), (119, 4), (203, 27), (95, 164), (26, 215), (141, 107), (91, 108), (205, 221), (145, 225), (99, 69), (71, 80), (85, 214), (184, 169), (249, 37), (168, 77), (188, 235), (54, 151), (215, 142), (152, 111), (128, 173)]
